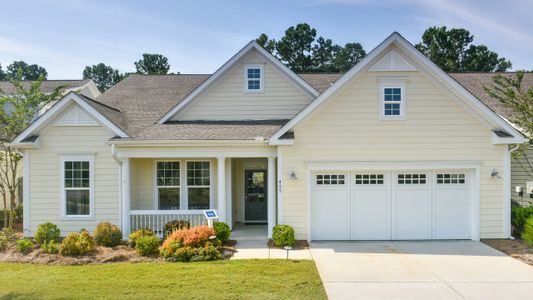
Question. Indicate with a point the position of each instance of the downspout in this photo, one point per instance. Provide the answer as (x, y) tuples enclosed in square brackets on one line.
[(507, 191), (119, 162)]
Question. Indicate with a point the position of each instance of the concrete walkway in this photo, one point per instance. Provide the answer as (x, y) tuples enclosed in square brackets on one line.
[(252, 244), (420, 270)]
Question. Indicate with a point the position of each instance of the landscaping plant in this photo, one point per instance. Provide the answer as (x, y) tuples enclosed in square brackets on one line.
[(283, 235), (222, 230), (194, 244), (134, 236), (527, 235), (6, 235), (147, 245), (107, 234), (519, 215), (175, 225), (77, 243), (50, 247), (24, 246), (46, 233)]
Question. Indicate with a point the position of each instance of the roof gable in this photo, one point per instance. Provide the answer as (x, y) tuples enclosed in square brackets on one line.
[(493, 120), (228, 66), (93, 110)]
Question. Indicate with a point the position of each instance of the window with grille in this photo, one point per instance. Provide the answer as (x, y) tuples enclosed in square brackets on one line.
[(329, 179), (369, 179), (254, 78), (411, 178), (198, 184), (168, 184), (451, 178)]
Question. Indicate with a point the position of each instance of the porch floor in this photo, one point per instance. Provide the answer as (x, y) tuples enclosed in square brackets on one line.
[(242, 232)]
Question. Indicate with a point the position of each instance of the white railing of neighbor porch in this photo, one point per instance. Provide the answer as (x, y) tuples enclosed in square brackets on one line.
[(156, 219)]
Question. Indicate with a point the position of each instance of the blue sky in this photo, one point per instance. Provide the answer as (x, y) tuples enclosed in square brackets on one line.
[(64, 36)]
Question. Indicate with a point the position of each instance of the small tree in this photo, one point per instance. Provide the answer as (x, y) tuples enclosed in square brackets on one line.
[(518, 99), (152, 64), (16, 113)]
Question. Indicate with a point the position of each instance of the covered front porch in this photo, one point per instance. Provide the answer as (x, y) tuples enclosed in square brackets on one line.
[(179, 185)]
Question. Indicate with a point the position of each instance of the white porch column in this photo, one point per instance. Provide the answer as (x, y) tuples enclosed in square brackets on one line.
[(126, 203), (229, 194), (271, 194), (221, 184)]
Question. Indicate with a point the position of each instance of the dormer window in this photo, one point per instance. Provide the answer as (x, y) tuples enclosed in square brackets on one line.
[(392, 100), (253, 75)]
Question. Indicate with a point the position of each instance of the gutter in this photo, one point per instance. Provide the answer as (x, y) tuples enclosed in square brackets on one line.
[(257, 142)]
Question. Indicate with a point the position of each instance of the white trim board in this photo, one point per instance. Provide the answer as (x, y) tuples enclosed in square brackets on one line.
[(59, 107), (494, 119), (231, 63)]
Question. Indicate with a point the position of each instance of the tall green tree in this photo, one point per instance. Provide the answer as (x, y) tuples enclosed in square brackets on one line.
[(2, 74), (28, 72), (302, 51), (511, 92), (23, 105), (103, 75), (452, 50), (152, 64)]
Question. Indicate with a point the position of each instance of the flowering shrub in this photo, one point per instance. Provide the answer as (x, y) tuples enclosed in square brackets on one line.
[(77, 243), (107, 234), (134, 236), (194, 244)]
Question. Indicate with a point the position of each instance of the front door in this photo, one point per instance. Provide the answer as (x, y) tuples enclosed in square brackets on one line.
[(255, 200)]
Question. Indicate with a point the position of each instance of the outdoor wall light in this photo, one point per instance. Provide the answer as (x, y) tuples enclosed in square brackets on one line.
[(495, 174), (292, 175)]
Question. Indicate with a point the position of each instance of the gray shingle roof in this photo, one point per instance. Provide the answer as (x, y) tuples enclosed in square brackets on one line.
[(139, 101), (47, 86)]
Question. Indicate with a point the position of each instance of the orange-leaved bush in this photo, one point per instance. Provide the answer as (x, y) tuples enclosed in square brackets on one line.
[(194, 244), (192, 237)]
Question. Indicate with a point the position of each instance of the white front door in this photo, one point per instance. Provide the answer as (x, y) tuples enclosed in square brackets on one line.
[(391, 205)]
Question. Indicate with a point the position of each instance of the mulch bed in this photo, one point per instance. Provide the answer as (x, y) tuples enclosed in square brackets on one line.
[(300, 244), (515, 248)]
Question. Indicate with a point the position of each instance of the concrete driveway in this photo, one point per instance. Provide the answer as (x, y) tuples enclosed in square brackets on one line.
[(420, 270)]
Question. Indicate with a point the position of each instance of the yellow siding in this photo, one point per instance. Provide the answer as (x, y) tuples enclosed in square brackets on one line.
[(348, 128), (45, 178), (519, 177), (227, 100)]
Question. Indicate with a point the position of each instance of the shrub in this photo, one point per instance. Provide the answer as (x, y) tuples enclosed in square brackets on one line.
[(527, 235), (222, 230), (283, 235), (50, 247), (24, 246), (134, 236), (194, 244), (46, 233), (77, 243), (175, 225), (107, 234), (3, 243), (147, 245), (519, 215), (6, 235)]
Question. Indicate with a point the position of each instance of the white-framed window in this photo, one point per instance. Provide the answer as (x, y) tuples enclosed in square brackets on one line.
[(168, 185), (330, 179), (77, 186), (253, 78), (392, 103), (198, 184)]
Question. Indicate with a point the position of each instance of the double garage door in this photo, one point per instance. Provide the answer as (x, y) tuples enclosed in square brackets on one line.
[(391, 205)]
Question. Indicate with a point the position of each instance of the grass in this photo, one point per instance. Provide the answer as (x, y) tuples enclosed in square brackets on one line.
[(239, 279)]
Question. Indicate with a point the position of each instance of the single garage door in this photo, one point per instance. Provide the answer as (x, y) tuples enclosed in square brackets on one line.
[(391, 205)]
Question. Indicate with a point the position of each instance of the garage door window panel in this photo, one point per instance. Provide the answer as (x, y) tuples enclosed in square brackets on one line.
[(451, 178), (330, 179), (369, 179), (408, 179)]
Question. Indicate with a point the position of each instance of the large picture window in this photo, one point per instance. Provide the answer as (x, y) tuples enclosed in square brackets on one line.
[(77, 186), (168, 184), (198, 184)]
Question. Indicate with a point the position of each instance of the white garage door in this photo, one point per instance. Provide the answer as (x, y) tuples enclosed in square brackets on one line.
[(392, 205)]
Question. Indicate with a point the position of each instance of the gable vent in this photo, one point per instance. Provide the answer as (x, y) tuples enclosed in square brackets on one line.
[(392, 61), (75, 117)]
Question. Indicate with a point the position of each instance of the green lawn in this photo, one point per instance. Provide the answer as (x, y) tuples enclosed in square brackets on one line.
[(240, 279)]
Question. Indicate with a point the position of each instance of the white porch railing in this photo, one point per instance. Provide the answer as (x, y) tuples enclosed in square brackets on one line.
[(156, 219)]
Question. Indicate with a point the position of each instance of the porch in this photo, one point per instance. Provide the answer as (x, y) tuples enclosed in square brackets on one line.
[(157, 190)]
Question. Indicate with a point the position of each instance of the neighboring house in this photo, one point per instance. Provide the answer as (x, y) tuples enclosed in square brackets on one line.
[(85, 87), (393, 149)]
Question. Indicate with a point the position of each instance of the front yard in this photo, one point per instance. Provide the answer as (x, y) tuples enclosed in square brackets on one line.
[(239, 279)]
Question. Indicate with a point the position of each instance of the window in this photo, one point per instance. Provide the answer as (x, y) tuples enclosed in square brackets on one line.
[(411, 178), (392, 99), (392, 93), (254, 78), (327, 179), (198, 184), (168, 184), (451, 178), (369, 179), (76, 186)]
